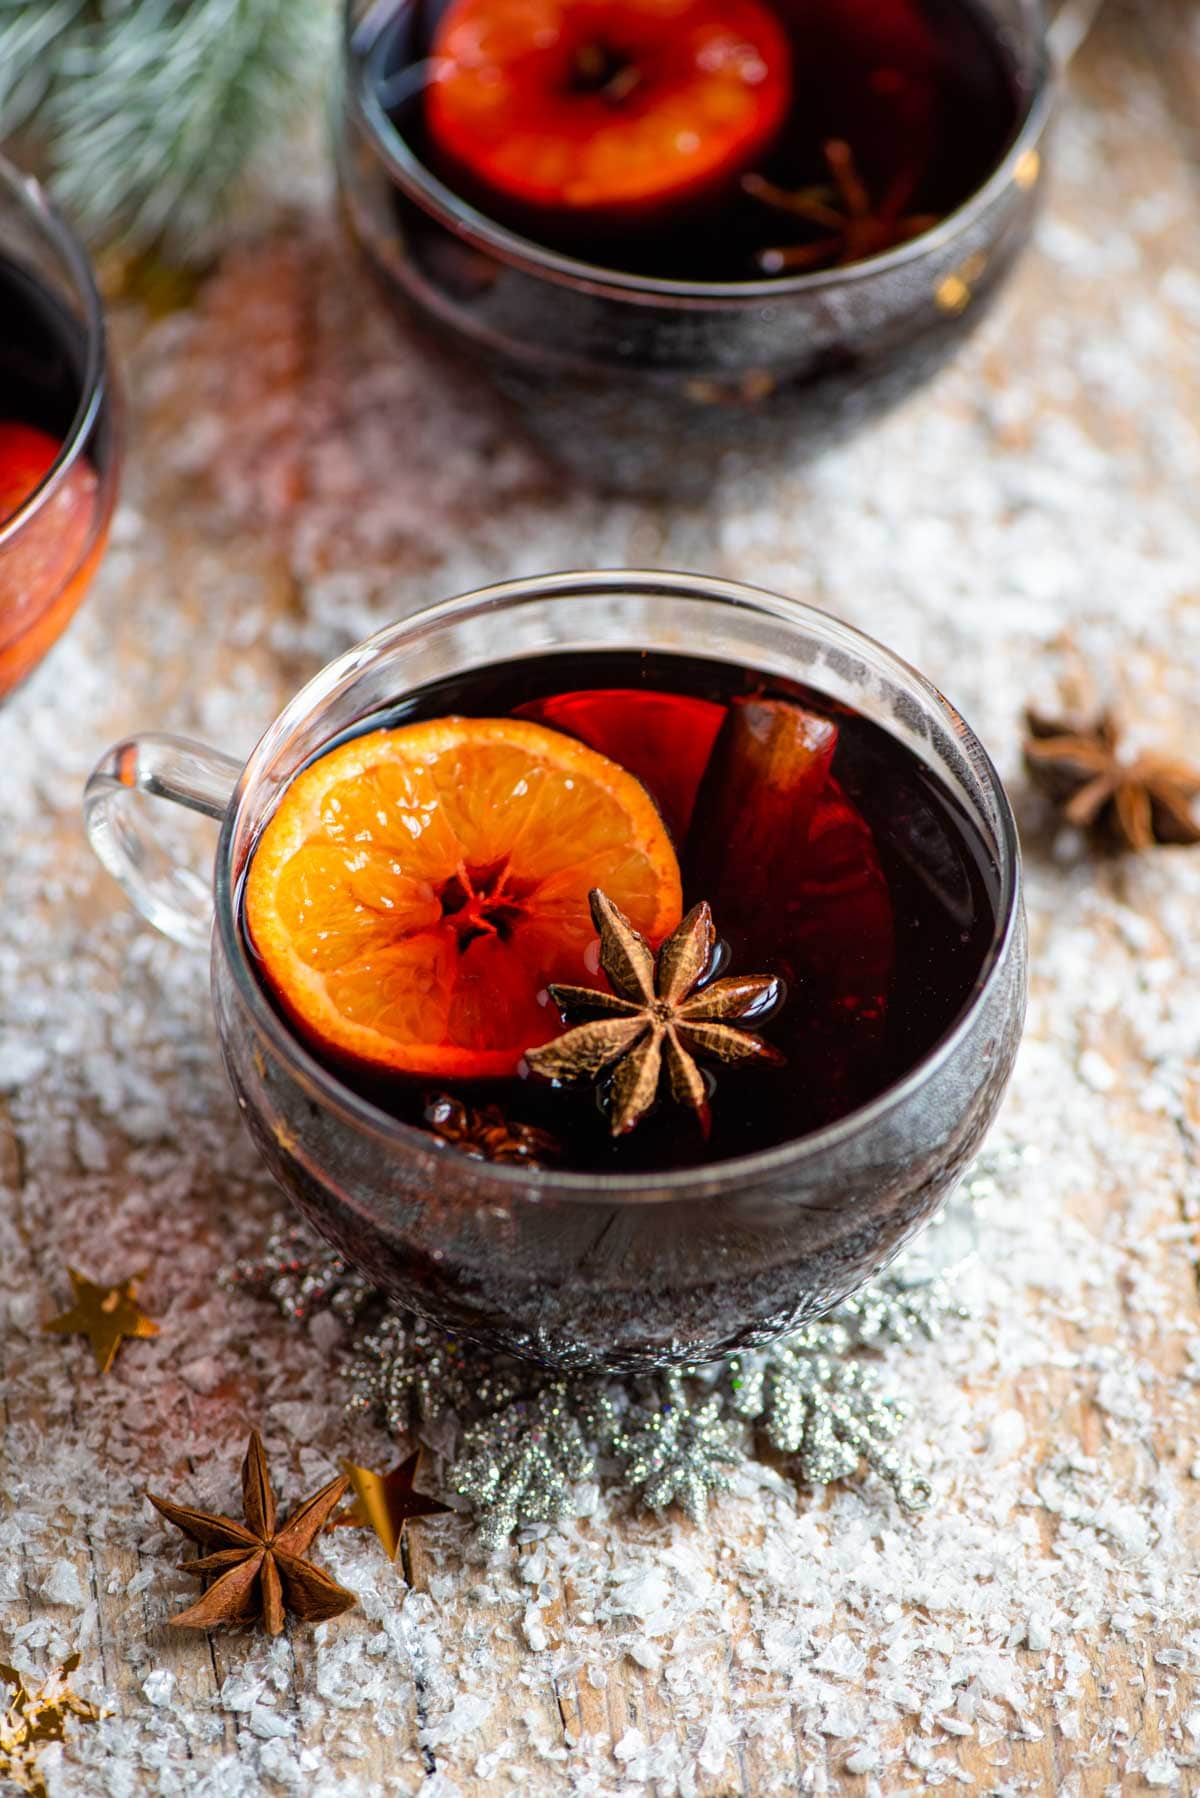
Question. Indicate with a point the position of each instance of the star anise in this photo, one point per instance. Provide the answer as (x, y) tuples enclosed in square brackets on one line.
[(855, 228), (657, 1017), (485, 1134), (261, 1571), (1136, 800)]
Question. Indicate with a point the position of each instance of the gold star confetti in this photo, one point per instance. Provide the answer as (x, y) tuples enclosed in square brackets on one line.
[(385, 1502), (104, 1314), (33, 1719)]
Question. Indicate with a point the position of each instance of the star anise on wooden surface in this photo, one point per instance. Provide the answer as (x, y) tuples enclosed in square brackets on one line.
[(1135, 801), (855, 228), (658, 1016), (260, 1571), (485, 1134)]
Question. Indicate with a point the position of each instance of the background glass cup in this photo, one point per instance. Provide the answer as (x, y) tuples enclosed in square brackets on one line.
[(643, 384), (41, 254), (632, 1270)]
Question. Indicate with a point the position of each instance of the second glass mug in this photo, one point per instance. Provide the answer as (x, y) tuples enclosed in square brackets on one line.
[(643, 384), (624, 1271)]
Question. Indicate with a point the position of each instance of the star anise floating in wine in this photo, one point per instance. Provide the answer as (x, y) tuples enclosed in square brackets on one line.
[(259, 1571), (854, 226), (659, 1015), (1135, 801)]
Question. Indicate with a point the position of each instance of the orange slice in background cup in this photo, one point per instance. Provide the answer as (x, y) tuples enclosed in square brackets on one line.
[(604, 109), (45, 568)]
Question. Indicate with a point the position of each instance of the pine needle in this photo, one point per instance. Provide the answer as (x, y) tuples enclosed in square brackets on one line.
[(149, 111)]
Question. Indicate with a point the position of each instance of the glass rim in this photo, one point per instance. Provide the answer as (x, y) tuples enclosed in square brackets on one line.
[(31, 197), (331, 1093), (434, 196)]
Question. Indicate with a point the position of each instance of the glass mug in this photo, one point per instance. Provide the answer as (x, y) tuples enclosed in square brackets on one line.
[(631, 1270), (643, 384), (52, 543)]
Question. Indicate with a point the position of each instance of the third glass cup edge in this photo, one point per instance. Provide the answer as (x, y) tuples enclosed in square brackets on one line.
[(29, 194)]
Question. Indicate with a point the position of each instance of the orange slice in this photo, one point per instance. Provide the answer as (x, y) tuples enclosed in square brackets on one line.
[(417, 889), (602, 108), (46, 566)]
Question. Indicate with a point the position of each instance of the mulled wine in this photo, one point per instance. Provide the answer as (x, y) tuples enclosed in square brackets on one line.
[(421, 891), (703, 140), (56, 463)]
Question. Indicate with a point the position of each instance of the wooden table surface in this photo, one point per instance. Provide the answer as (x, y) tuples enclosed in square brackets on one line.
[(298, 474)]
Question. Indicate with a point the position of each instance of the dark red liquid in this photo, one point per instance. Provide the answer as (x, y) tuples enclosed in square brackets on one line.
[(922, 91), (48, 559), (42, 353), (860, 881)]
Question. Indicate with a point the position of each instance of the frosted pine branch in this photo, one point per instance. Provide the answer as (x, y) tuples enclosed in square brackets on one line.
[(149, 111)]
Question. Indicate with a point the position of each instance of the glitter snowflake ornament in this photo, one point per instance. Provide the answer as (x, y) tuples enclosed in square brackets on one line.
[(517, 1439), (891, 1310), (826, 1414), (519, 1464), (301, 1275), (419, 1378), (677, 1450)]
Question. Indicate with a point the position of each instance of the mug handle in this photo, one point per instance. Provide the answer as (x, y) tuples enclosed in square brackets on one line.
[(173, 898)]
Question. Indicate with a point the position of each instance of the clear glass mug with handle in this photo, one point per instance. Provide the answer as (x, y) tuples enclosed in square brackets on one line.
[(629, 1270)]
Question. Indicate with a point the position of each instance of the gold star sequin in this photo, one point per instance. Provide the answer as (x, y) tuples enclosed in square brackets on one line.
[(32, 1719), (385, 1502), (105, 1315)]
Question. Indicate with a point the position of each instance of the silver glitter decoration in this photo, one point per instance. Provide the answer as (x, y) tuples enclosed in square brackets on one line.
[(302, 1275), (674, 1449), (517, 1438), (826, 1414), (414, 1374), (519, 1464), (889, 1310)]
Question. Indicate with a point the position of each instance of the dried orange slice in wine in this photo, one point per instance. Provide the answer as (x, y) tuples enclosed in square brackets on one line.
[(46, 565), (789, 860), (666, 739), (417, 889), (595, 107)]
